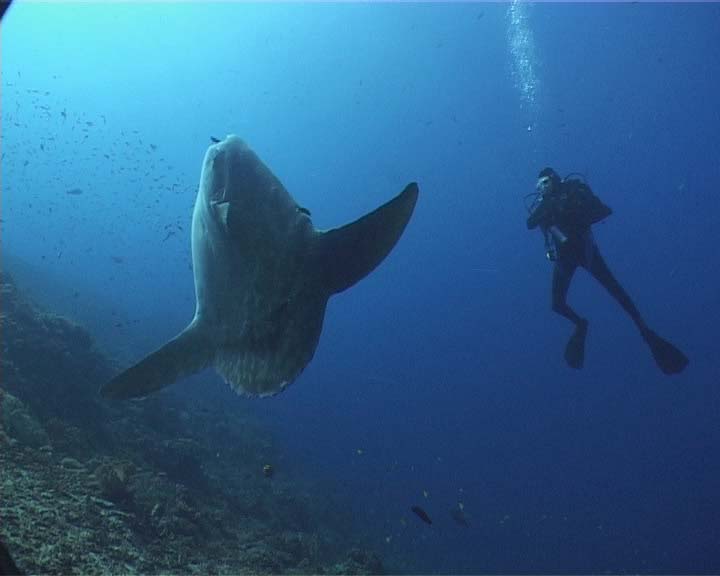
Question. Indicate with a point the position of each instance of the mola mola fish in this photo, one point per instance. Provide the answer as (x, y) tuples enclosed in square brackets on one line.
[(263, 277)]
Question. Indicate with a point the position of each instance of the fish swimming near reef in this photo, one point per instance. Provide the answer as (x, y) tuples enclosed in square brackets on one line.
[(263, 276)]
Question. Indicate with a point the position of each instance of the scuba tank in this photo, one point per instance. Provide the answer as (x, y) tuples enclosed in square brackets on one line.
[(581, 209)]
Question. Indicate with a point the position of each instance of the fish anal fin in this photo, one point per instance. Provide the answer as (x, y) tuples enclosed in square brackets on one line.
[(187, 353)]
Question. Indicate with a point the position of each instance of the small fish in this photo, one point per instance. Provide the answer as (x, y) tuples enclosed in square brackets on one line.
[(421, 514), (214, 140), (458, 514), (303, 211), (117, 259), (74, 192)]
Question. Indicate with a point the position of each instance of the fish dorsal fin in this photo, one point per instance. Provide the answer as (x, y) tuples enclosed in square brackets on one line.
[(347, 254)]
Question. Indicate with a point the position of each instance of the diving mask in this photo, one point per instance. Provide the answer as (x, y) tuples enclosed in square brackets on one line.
[(544, 185)]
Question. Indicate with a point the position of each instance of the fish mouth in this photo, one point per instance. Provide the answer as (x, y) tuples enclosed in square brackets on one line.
[(229, 170)]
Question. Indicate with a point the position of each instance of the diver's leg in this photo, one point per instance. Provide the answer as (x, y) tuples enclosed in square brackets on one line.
[(575, 348), (562, 276), (669, 359), (599, 269)]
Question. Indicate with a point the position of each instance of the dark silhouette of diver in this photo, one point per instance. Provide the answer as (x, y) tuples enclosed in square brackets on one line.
[(565, 210)]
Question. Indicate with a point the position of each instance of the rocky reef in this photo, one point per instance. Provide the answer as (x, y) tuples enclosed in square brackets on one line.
[(88, 487)]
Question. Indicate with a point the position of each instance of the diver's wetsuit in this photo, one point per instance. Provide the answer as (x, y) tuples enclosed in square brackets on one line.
[(565, 210), (572, 209), (581, 250)]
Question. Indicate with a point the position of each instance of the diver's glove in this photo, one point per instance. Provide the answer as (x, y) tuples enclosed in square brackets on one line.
[(541, 215)]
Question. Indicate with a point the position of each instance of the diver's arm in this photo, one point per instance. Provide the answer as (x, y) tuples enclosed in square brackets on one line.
[(539, 215)]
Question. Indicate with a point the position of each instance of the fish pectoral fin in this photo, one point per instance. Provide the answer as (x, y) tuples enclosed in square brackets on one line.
[(222, 210), (346, 255), (187, 353)]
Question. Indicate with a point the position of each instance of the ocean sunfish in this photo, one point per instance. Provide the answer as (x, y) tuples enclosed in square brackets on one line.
[(263, 276)]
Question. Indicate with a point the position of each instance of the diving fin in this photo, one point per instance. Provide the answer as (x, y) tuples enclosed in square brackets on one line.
[(187, 353), (669, 359), (575, 349)]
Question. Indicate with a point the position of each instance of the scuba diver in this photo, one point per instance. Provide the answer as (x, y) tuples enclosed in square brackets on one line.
[(565, 210)]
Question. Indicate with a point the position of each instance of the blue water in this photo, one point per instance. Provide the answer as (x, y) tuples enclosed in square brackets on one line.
[(439, 379)]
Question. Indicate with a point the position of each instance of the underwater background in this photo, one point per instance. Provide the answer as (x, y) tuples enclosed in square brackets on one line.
[(439, 380)]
